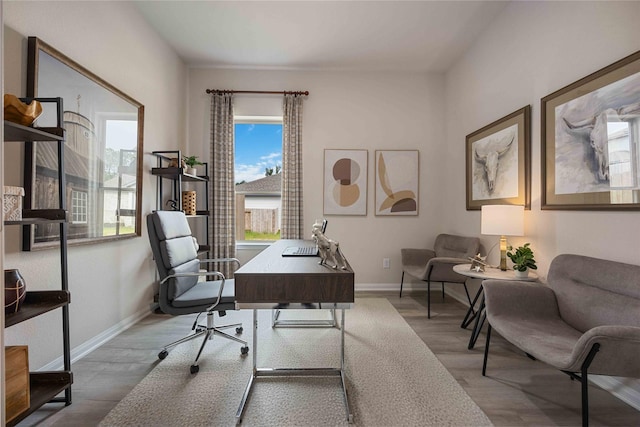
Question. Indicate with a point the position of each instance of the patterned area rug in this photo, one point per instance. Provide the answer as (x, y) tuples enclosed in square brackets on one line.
[(393, 378)]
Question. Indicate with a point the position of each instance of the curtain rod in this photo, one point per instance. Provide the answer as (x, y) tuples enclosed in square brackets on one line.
[(284, 92)]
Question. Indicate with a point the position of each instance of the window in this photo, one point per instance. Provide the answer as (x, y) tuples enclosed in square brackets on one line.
[(79, 207), (258, 163)]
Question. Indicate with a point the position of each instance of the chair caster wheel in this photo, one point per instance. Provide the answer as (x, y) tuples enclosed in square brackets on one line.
[(163, 354), (239, 330), (194, 369), (244, 350)]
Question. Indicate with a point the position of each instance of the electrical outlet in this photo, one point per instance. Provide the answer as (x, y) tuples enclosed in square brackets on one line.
[(386, 263)]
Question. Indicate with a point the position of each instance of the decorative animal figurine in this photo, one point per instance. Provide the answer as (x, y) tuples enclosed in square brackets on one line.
[(330, 254), (173, 204), (478, 263)]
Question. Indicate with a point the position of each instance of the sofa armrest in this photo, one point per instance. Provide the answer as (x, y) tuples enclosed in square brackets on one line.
[(414, 261), (618, 352), (517, 298)]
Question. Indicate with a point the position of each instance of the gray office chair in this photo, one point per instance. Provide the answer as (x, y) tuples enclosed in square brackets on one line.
[(437, 264), (181, 291)]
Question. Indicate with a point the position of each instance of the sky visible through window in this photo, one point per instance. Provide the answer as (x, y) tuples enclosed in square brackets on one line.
[(258, 146)]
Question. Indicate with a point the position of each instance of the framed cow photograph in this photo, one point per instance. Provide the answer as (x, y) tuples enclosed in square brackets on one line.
[(498, 162), (590, 141)]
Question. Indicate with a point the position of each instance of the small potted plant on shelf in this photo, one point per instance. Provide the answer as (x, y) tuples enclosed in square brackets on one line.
[(523, 260), (191, 162)]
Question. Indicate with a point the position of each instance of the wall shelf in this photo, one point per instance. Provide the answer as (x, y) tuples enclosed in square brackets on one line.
[(37, 303), (14, 132), (45, 386), (175, 173), (177, 176)]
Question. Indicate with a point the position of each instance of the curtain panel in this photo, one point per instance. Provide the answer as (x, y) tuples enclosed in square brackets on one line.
[(292, 215), (222, 230)]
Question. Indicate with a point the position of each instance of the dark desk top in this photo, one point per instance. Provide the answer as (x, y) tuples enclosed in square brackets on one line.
[(271, 278)]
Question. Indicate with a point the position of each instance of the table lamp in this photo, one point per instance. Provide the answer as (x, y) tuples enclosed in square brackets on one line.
[(502, 220)]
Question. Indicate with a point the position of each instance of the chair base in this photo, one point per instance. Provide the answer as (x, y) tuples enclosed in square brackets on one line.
[(207, 331)]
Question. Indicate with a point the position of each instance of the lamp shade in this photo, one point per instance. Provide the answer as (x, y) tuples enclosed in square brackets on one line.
[(502, 220)]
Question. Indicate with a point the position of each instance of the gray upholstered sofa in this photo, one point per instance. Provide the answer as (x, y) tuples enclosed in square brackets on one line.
[(587, 320)]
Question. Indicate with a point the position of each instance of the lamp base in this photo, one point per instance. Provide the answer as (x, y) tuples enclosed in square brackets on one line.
[(503, 253)]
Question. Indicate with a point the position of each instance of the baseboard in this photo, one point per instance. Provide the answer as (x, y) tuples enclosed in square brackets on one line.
[(619, 388), (87, 347)]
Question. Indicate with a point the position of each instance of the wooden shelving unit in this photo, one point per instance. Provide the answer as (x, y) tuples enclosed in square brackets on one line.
[(45, 386)]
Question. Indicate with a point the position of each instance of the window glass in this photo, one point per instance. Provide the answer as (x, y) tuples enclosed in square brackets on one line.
[(258, 167)]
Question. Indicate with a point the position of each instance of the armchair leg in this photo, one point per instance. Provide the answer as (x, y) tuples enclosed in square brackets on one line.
[(486, 350), (585, 384), (401, 282)]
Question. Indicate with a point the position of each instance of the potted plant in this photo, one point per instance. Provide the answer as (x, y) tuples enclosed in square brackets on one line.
[(191, 162), (523, 260)]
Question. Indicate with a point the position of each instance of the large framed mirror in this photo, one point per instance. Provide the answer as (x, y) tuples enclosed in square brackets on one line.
[(102, 153)]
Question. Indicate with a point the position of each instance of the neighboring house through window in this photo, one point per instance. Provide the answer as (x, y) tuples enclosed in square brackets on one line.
[(258, 163), (79, 207)]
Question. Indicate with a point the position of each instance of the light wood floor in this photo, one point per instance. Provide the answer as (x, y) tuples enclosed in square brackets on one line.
[(517, 391)]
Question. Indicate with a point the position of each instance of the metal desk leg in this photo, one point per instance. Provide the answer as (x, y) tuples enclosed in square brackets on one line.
[(283, 372), (344, 384), (254, 359), (276, 322)]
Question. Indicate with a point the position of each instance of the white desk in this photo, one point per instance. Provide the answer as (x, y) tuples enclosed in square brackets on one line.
[(489, 273)]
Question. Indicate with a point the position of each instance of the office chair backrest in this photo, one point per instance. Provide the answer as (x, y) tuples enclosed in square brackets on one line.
[(174, 250)]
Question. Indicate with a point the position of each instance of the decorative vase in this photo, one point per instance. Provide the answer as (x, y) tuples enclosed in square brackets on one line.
[(14, 291), (522, 274), (189, 202), (192, 171)]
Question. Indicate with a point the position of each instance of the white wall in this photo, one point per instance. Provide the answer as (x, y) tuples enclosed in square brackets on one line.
[(110, 283), (530, 51), (353, 110)]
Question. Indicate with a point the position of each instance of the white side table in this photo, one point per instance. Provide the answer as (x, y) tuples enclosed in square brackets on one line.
[(489, 273)]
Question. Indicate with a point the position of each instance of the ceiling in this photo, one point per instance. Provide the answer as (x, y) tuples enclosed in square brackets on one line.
[(355, 35)]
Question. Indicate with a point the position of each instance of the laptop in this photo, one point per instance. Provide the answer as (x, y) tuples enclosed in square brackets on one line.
[(304, 250), (300, 251)]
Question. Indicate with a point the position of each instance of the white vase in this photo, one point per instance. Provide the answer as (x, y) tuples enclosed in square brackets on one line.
[(192, 171), (522, 274)]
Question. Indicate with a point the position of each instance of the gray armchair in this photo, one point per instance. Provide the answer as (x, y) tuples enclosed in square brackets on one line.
[(437, 264), (586, 321), (181, 291)]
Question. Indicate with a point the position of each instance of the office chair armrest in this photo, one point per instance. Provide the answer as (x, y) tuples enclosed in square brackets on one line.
[(203, 273), (236, 260)]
